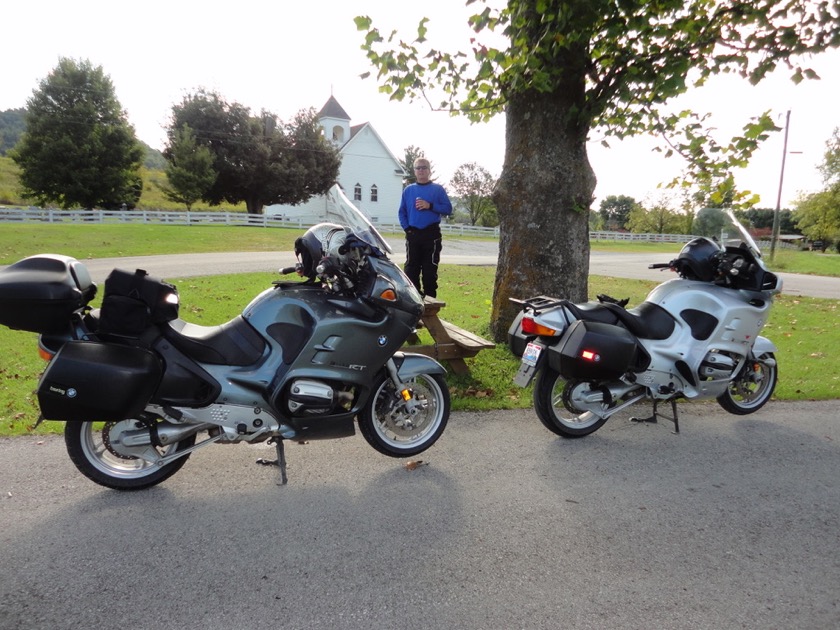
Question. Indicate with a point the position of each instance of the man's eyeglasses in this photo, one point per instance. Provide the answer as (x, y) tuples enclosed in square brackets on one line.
[(421, 168)]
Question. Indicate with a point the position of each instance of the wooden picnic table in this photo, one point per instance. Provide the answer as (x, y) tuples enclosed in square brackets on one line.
[(450, 343)]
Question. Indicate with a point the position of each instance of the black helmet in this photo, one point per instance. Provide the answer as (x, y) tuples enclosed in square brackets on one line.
[(323, 239), (697, 259)]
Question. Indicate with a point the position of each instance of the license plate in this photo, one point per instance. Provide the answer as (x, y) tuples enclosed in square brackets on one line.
[(532, 354), (528, 366)]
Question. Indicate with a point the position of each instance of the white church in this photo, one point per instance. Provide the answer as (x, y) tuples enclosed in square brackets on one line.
[(370, 177)]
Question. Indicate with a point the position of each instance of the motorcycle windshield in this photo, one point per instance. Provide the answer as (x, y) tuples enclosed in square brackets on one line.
[(737, 230), (343, 211)]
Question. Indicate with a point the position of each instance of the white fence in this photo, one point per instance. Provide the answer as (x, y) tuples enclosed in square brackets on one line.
[(159, 217)]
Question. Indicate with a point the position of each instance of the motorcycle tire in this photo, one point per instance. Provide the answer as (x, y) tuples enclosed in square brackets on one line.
[(390, 429), (551, 408), (88, 445), (752, 388)]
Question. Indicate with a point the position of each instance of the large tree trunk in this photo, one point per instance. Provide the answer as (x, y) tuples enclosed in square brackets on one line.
[(543, 199), (253, 204)]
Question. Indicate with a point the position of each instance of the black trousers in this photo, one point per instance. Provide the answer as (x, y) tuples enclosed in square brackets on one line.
[(422, 255)]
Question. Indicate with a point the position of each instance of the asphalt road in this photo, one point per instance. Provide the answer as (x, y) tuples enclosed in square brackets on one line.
[(733, 523)]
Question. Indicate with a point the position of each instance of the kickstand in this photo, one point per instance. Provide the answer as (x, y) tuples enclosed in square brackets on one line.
[(280, 461), (675, 418)]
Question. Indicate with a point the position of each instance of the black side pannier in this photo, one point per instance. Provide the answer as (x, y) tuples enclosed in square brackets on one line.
[(594, 351), (41, 293), (135, 301), (92, 381)]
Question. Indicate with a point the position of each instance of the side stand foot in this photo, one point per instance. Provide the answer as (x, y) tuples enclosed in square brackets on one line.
[(279, 462)]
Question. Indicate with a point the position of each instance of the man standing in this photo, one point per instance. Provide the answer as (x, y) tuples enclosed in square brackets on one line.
[(423, 204)]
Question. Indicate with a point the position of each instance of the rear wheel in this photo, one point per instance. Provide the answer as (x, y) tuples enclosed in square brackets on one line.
[(753, 387), (90, 446), (554, 402), (400, 428)]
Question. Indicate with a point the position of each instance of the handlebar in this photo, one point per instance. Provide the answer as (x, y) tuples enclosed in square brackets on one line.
[(659, 266), (285, 271)]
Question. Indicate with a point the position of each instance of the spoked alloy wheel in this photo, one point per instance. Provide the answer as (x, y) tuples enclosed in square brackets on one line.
[(388, 425), (90, 448), (753, 387), (554, 400)]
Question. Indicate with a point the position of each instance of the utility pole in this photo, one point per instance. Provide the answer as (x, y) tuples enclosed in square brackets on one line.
[(776, 219)]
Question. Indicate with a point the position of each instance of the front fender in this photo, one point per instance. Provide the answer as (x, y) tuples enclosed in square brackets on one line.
[(762, 346), (410, 365)]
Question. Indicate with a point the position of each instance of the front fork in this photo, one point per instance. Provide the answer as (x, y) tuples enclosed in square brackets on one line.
[(411, 405)]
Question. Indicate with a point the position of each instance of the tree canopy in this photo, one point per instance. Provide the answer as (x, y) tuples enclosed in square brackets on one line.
[(473, 185), (257, 159), (568, 67), (190, 169), (615, 211), (12, 126), (78, 148), (659, 219), (818, 215)]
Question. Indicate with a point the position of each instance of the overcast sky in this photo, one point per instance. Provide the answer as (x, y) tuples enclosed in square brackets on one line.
[(286, 56)]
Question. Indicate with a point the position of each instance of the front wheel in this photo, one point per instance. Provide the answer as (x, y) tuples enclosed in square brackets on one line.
[(554, 402), (753, 387), (400, 428), (90, 447)]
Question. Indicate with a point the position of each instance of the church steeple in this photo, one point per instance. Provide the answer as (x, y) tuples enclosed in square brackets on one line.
[(335, 121)]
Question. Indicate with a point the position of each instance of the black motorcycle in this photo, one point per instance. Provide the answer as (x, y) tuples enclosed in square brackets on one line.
[(141, 389)]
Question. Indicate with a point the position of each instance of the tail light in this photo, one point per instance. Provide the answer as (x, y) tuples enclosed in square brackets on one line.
[(531, 327), (590, 355)]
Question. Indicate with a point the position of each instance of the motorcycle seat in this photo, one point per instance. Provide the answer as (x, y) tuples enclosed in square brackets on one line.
[(232, 343), (646, 321)]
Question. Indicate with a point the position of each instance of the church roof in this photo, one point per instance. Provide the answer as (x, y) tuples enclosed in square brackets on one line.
[(333, 110)]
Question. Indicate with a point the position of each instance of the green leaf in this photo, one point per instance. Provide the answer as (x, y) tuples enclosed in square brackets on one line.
[(363, 22)]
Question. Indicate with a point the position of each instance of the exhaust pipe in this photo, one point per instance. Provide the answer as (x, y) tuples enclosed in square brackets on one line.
[(161, 434)]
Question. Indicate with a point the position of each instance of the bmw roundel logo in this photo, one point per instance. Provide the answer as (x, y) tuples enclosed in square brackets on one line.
[(71, 392), (383, 340)]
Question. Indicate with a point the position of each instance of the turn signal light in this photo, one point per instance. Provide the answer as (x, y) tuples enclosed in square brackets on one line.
[(389, 294), (45, 354), (530, 327)]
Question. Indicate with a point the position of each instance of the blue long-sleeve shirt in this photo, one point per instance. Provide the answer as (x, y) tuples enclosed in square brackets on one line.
[(419, 219)]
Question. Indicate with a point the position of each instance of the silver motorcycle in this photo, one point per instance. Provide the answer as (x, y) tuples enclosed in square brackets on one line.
[(694, 337)]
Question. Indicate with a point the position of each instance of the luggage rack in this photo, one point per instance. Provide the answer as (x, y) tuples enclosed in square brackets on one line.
[(540, 303)]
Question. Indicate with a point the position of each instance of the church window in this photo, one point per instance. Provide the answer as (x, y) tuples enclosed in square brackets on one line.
[(374, 193), (357, 192)]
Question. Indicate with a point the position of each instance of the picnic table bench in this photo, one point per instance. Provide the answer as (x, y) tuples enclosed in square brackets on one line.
[(450, 342)]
